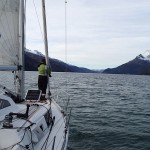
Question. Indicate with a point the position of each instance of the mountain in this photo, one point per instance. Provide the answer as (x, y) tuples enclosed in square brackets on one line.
[(138, 66), (33, 58)]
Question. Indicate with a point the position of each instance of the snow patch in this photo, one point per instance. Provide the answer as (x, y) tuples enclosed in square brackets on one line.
[(35, 52), (145, 56)]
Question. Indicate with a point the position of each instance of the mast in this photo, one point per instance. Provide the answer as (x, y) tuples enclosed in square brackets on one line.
[(21, 59), (45, 42)]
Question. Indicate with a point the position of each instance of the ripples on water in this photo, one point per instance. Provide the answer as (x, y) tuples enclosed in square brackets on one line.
[(110, 112)]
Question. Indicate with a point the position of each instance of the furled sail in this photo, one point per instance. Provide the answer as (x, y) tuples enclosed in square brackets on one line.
[(9, 32)]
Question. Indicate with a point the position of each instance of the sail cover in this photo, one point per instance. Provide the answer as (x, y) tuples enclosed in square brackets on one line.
[(9, 32)]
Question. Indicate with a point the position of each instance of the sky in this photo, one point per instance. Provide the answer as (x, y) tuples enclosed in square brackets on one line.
[(100, 33)]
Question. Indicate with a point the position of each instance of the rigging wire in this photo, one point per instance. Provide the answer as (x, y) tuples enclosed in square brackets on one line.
[(38, 20), (66, 40), (66, 51), (25, 21), (66, 45)]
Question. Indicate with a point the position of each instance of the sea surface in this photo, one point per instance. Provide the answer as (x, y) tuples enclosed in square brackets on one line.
[(109, 112)]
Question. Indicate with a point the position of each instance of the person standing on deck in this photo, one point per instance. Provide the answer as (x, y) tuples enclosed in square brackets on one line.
[(43, 72)]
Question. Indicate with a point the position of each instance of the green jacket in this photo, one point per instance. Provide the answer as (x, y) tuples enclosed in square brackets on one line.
[(43, 70)]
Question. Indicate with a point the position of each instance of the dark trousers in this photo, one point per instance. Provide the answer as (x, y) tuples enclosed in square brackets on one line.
[(42, 83)]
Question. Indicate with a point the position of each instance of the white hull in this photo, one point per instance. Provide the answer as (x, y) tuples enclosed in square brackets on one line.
[(33, 132)]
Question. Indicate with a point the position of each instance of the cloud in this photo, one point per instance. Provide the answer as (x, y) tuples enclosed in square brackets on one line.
[(101, 33)]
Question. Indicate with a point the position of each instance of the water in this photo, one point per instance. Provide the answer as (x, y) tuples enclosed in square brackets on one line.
[(110, 112)]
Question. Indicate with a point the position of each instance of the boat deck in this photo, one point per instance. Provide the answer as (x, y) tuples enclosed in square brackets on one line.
[(44, 128)]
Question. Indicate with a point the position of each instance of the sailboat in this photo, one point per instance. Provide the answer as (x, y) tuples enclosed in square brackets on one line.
[(26, 121)]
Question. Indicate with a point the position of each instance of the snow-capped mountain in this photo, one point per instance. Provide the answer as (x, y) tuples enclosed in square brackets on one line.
[(34, 52), (33, 58), (140, 66), (145, 56)]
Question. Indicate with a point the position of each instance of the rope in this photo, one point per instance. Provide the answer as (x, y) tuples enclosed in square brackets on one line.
[(31, 138), (48, 110), (61, 136), (18, 142), (29, 128), (57, 132), (46, 141)]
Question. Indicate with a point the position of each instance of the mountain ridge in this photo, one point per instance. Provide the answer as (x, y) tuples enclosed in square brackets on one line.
[(33, 58), (140, 65)]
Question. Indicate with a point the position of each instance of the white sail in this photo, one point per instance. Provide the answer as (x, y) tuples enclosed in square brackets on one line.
[(9, 32)]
